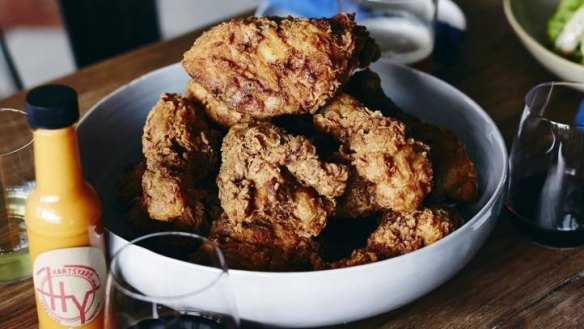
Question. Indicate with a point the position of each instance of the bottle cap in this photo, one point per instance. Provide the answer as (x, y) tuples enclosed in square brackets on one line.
[(52, 107)]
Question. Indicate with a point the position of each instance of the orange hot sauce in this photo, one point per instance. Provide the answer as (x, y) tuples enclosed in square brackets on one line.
[(62, 218)]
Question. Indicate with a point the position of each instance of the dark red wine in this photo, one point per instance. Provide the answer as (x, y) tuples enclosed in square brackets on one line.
[(180, 322), (549, 208)]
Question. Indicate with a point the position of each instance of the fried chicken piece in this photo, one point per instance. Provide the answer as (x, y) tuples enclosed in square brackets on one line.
[(261, 67), (269, 174), (403, 232), (264, 246), (388, 170), (454, 173), (180, 151)]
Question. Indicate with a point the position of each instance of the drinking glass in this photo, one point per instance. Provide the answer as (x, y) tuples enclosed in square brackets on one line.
[(169, 280), (404, 29), (16, 182), (546, 181)]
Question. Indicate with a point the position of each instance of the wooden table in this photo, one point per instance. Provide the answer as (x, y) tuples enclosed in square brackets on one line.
[(511, 283)]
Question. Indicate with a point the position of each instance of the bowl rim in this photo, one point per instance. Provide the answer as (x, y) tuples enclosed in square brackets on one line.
[(527, 38), (473, 224)]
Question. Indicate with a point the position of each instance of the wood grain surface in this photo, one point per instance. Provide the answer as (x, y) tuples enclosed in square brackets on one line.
[(511, 283)]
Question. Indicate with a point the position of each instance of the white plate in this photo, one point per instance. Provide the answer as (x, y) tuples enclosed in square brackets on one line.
[(529, 19), (110, 137)]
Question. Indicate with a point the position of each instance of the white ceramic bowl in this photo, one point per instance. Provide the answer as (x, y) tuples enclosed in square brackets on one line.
[(528, 18), (110, 136)]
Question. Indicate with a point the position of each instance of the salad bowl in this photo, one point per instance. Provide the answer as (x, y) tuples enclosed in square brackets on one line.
[(529, 20)]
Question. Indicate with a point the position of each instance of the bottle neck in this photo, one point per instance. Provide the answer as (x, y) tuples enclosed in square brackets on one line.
[(56, 159)]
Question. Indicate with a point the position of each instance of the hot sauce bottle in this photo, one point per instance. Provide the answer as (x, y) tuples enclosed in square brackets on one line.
[(62, 217)]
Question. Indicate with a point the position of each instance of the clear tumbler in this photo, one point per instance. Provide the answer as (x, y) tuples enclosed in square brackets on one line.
[(546, 181)]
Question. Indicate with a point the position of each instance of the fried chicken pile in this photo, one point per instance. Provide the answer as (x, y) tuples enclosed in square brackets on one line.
[(277, 144)]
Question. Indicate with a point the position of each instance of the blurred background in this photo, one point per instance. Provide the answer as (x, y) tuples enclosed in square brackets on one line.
[(41, 40)]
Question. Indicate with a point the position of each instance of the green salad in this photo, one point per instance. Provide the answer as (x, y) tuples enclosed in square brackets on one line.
[(566, 30)]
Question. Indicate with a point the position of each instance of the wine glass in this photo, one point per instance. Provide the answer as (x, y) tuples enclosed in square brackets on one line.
[(169, 280), (546, 181)]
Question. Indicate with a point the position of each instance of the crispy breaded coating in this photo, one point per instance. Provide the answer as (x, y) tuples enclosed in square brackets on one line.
[(217, 111), (263, 246), (180, 150), (403, 232), (131, 195), (388, 170), (455, 177), (261, 67), (267, 173)]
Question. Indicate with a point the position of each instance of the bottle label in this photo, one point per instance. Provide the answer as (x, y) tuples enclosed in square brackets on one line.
[(70, 284)]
